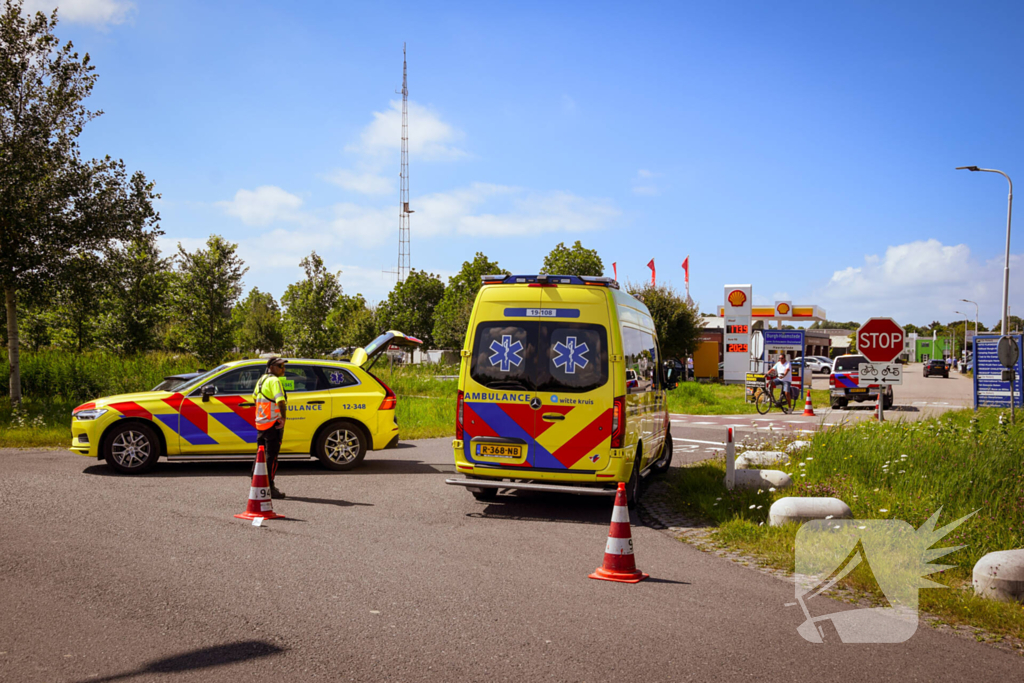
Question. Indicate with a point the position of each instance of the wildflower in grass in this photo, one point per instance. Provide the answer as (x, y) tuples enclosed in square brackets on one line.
[(884, 510), (803, 475), (752, 507), (829, 517), (876, 490), (862, 527), (761, 524), (719, 498), (772, 489), (902, 472), (836, 526)]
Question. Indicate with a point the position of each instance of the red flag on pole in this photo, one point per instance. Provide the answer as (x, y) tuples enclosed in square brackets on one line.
[(615, 270), (651, 266), (686, 268)]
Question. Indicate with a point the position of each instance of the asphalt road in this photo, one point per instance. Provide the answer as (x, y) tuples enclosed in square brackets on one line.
[(696, 436), (386, 573)]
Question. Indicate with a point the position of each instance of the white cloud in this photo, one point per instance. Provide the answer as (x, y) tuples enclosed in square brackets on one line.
[(95, 12), (366, 182), (168, 246), (919, 282), (264, 205), (430, 138), (643, 185)]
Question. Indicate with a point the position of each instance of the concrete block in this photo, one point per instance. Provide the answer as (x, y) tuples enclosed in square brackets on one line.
[(761, 479), (752, 459), (1000, 576), (797, 446), (804, 509)]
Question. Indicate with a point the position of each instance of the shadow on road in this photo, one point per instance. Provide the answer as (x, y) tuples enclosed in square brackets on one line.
[(205, 658), (285, 467), (327, 501), (539, 506)]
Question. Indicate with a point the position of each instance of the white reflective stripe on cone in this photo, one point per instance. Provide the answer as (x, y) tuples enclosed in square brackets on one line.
[(619, 546), (258, 493), (620, 514), (261, 468)]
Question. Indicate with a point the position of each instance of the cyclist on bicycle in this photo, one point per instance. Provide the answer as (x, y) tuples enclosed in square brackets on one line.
[(783, 375)]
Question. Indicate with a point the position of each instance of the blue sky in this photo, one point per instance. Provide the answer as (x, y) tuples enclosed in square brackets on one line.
[(806, 148)]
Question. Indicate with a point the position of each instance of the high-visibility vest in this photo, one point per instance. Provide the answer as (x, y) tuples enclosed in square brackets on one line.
[(267, 410)]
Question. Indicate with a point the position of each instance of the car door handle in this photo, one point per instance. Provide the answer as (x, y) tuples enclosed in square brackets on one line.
[(314, 403), (552, 417), (246, 405)]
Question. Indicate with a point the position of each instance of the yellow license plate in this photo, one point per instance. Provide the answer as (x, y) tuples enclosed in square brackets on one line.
[(499, 451), (858, 391)]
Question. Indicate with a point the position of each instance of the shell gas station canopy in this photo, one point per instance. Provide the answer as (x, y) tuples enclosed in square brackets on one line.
[(797, 313)]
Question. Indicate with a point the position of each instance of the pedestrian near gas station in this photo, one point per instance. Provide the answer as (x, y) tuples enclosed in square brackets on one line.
[(271, 412)]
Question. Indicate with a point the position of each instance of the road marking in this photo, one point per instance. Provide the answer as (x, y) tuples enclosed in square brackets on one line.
[(713, 443)]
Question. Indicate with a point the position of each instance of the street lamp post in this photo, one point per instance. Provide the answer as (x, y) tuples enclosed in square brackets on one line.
[(968, 301), (1006, 265), (966, 321)]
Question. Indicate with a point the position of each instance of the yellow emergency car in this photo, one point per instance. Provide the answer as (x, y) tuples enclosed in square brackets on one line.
[(337, 410), (560, 389)]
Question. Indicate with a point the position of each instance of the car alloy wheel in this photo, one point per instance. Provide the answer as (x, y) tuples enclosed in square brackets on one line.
[(131, 449), (342, 446)]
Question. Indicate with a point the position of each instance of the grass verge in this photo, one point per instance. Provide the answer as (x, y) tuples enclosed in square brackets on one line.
[(693, 398), (898, 470)]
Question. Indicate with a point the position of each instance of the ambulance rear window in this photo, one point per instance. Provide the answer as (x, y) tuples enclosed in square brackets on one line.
[(573, 356)]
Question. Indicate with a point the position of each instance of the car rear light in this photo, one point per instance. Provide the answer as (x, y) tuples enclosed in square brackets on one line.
[(390, 400), (831, 380), (459, 432), (618, 421)]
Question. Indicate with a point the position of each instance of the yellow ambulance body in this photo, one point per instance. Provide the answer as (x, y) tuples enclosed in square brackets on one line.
[(560, 389)]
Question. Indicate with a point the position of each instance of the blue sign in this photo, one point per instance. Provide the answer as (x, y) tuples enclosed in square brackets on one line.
[(784, 340), (542, 312), (989, 387)]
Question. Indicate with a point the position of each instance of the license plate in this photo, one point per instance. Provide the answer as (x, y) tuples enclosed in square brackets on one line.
[(499, 451), (858, 391)]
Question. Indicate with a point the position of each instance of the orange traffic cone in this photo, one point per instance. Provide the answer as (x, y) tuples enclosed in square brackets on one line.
[(618, 552), (808, 408), (259, 493)]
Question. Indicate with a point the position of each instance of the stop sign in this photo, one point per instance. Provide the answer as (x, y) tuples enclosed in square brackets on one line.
[(880, 340)]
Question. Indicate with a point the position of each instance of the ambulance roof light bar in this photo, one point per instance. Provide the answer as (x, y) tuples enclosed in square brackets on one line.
[(547, 279)]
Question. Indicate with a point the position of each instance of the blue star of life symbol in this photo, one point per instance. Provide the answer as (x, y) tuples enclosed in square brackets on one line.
[(570, 355), (506, 354)]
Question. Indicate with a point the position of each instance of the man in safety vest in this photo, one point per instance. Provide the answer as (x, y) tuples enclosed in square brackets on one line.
[(271, 411)]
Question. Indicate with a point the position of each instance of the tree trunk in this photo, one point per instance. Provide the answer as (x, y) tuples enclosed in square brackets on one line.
[(12, 344)]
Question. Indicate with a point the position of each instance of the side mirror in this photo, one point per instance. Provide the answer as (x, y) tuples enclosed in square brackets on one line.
[(208, 391)]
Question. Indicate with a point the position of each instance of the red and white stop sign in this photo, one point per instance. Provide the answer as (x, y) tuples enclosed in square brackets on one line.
[(880, 340)]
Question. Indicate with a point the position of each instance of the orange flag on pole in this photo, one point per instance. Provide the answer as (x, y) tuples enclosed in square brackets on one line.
[(686, 268), (616, 271), (651, 266)]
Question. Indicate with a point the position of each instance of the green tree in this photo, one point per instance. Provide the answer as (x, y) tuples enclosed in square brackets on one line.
[(209, 284), (53, 205), (257, 322), (575, 260), (75, 306), (307, 305), (451, 316), (1016, 325), (678, 323), (410, 306), (352, 322), (135, 302)]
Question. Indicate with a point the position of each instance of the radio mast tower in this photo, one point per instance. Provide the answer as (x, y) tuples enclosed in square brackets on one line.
[(403, 198)]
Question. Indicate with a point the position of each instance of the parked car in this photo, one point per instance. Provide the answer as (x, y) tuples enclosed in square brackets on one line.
[(936, 367), (675, 372), (172, 381), (816, 364)]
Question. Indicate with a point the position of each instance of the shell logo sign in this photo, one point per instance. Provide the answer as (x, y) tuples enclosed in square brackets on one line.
[(783, 308), (736, 298)]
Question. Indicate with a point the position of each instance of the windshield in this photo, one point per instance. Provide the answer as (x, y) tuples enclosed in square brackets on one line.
[(196, 381), (540, 356), (849, 363)]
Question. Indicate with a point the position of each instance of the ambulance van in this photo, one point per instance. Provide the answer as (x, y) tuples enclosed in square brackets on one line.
[(560, 389)]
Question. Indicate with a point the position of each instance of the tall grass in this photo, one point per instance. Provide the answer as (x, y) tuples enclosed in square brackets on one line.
[(960, 462), (53, 374)]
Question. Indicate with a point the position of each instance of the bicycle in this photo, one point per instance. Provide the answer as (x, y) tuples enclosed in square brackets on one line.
[(766, 397)]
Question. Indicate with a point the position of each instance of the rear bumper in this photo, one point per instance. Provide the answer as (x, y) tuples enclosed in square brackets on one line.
[(581, 490), (619, 467)]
